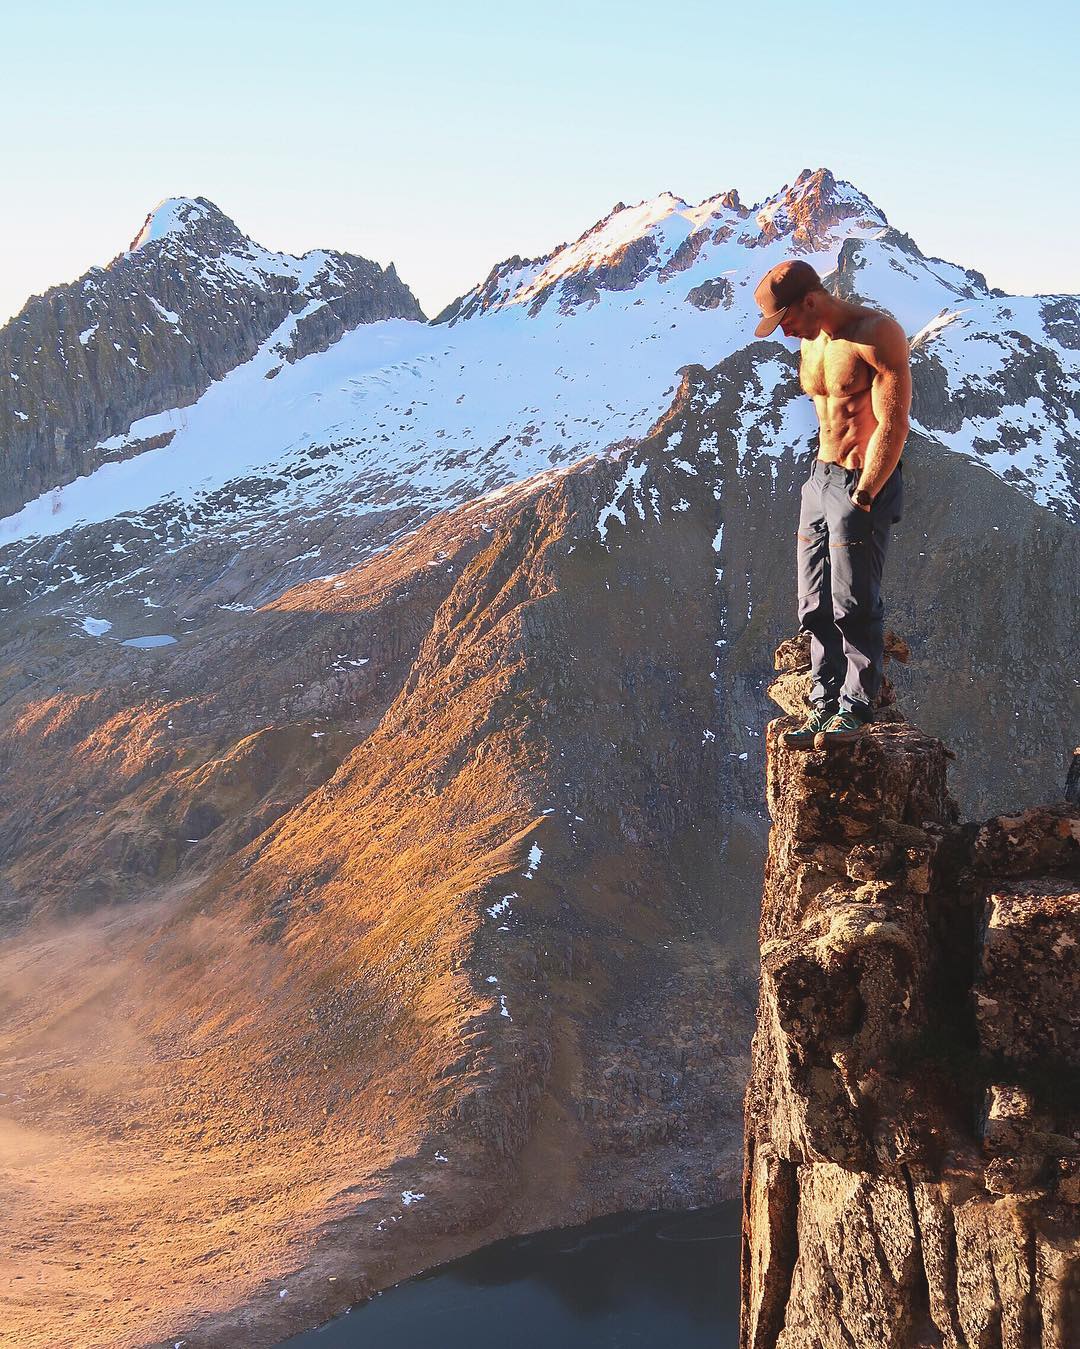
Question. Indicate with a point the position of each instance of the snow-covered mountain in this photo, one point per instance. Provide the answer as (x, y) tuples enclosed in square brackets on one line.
[(543, 363), (190, 300)]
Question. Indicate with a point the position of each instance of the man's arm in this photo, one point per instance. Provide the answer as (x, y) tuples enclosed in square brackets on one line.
[(890, 397)]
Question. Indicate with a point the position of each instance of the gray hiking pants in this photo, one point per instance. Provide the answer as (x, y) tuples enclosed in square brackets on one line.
[(841, 553)]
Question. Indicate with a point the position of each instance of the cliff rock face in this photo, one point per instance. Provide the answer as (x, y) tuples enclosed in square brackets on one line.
[(912, 1169)]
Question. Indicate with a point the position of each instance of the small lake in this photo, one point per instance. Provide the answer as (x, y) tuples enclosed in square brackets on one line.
[(144, 643), (633, 1279)]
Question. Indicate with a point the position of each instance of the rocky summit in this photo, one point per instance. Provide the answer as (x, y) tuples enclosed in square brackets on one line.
[(912, 1165), (382, 728)]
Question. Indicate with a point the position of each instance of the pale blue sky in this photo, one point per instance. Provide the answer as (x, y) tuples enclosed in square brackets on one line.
[(447, 135)]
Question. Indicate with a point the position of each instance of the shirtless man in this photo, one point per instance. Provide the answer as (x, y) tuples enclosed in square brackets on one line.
[(854, 365)]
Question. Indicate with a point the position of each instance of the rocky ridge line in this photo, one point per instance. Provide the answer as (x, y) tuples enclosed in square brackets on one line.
[(608, 256)]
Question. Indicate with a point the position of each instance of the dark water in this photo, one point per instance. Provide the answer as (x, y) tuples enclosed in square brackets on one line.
[(635, 1279)]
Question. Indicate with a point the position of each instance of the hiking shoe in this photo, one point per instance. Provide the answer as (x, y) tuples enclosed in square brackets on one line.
[(844, 727), (803, 736)]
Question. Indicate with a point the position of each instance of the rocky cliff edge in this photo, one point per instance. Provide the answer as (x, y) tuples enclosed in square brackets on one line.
[(912, 1166)]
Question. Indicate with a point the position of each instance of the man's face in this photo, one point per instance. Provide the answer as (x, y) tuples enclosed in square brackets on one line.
[(800, 319)]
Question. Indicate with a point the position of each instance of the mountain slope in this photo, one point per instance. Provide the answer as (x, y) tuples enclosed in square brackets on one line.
[(453, 855), (475, 932)]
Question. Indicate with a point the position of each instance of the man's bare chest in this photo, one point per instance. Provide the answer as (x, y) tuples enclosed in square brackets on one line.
[(833, 370)]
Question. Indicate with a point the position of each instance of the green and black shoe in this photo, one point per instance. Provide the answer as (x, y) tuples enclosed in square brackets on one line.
[(841, 729), (819, 718)]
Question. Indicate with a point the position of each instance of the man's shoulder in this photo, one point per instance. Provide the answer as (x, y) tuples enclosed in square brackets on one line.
[(880, 333), (873, 324)]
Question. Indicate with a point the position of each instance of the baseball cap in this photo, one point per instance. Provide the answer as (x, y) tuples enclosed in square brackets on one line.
[(780, 288)]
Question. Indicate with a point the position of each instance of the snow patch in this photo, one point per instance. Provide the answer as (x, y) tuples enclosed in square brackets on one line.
[(166, 314), (501, 907), (630, 480), (171, 216)]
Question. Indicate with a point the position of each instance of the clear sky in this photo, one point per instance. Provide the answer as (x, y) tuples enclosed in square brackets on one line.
[(445, 135)]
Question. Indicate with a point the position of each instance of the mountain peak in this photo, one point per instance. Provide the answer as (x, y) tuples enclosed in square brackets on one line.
[(177, 216), (811, 206)]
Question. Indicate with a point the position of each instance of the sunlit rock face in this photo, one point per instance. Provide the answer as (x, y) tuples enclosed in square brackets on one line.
[(388, 887), (912, 1120)]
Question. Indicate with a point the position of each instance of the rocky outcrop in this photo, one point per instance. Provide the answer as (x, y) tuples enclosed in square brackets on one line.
[(912, 1166), (685, 255), (494, 290), (192, 299), (711, 294), (813, 205), (622, 270), (853, 257)]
